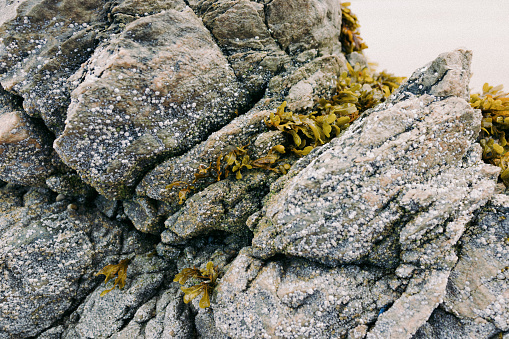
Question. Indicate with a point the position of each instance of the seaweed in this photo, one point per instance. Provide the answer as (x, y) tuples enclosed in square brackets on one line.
[(350, 38), (233, 162), (494, 105), (357, 90), (120, 270), (207, 278)]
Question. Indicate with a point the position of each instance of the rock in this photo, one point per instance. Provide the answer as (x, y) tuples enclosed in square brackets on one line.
[(443, 325), (300, 25), (142, 212), (241, 131), (25, 147), (384, 232), (478, 289), (240, 30), (172, 317), (68, 184), (105, 316), (42, 46), (48, 256), (158, 78), (223, 206), (388, 175), (290, 298), (405, 196), (312, 81), (447, 75)]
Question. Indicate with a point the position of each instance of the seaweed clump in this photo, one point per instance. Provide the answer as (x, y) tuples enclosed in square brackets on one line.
[(120, 270), (350, 38), (207, 278), (494, 105), (356, 91)]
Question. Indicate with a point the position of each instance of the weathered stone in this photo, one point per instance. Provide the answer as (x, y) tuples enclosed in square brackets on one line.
[(155, 90), (291, 298), (443, 325), (389, 155), (68, 184), (240, 30), (44, 44), (25, 146), (172, 317), (105, 316), (48, 257), (241, 131), (223, 206), (478, 289), (310, 82), (300, 25), (447, 75), (142, 212)]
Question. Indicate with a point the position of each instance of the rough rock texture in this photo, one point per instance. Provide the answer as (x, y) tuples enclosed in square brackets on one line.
[(476, 302), (294, 298), (394, 192), (389, 175), (49, 253), (25, 146), (161, 76), (380, 233), (43, 44)]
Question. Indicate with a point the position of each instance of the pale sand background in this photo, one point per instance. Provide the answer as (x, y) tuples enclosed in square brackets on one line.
[(403, 35)]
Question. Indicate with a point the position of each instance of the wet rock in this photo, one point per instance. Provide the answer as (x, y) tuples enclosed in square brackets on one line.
[(155, 90), (25, 146)]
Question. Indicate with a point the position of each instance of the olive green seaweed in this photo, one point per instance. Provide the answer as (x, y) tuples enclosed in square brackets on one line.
[(207, 281), (350, 38), (494, 105)]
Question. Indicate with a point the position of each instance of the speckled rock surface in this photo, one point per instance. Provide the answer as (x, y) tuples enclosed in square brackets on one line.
[(25, 147), (389, 175), (477, 295), (108, 102), (295, 298), (138, 100), (43, 44), (48, 256)]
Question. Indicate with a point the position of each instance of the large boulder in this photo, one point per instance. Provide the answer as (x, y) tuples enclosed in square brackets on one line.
[(394, 193)]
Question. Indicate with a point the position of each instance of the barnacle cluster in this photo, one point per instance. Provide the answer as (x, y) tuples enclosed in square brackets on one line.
[(356, 91), (350, 38), (494, 105), (120, 270), (207, 281)]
